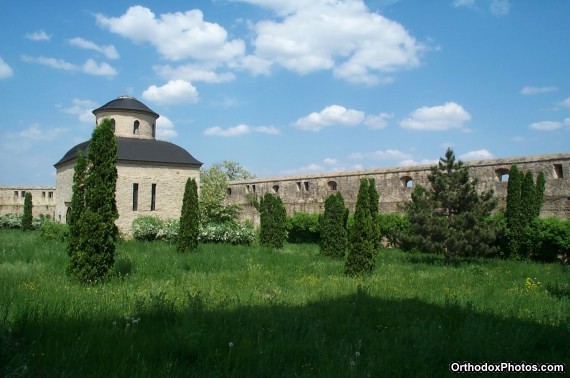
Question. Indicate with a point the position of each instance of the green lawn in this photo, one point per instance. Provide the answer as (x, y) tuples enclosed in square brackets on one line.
[(251, 311)]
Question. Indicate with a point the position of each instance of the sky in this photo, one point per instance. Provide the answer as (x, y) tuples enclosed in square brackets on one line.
[(289, 87)]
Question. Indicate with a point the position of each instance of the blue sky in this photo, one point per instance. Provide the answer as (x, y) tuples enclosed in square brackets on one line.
[(288, 87)]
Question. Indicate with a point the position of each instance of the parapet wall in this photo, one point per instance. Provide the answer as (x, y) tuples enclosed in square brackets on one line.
[(12, 200), (308, 193)]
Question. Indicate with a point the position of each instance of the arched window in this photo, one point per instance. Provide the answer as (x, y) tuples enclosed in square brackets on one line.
[(229, 191), (331, 185), (407, 182), (275, 189), (113, 124), (502, 174), (68, 215), (153, 130), (136, 126)]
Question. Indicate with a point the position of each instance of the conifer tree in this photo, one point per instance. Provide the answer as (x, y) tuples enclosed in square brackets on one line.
[(528, 199), (273, 219), (77, 204), (27, 218), (513, 211), (97, 232), (374, 200), (361, 256), (189, 219), (539, 193), (334, 236)]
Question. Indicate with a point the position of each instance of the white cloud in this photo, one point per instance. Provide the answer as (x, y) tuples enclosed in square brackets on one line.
[(240, 130), (109, 51), (358, 45), (83, 109), (5, 70), (500, 7), (165, 128), (176, 36), (310, 168), (36, 133), (463, 3), (437, 118), (389, 154), (546, 126), (90, 66), (39, 35), (331, 115), (477, 155), (173, 92), (537, 90), (379, 121), (565, 103), (412, 162), (330, 161), (567, 122), (193, 73)]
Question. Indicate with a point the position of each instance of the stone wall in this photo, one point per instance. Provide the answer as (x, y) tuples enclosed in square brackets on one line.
[(308, 193), (12, 200)]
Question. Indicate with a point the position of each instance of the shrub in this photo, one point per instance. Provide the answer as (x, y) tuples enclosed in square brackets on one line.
[(10, 221), (147, 228), (334, 237), (273, 217), (227, 232), (391, 228), (303, 228), (189, 219), (551, 239), (54, 231)]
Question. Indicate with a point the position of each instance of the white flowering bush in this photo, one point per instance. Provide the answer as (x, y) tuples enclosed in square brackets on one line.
[(227, 232), (147, 228), (10, 221)]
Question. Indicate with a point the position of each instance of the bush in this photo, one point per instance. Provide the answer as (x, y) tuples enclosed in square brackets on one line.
[(189, 219), (273, 216), (227, 232), (54, 231), (392, 227), (147, 228), (552, 239), (334, 237), (303, 228), (10, 221)]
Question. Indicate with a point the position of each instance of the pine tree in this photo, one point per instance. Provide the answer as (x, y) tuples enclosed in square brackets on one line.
[(334, 237), (189, 219), (27, 218), (539, 193), (77, 204), (97, 232), (361, 256), (374, 201), (513, 211), (273, 218), (453, 219)]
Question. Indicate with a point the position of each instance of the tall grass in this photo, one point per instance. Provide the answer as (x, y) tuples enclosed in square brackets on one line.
[(251, 311)]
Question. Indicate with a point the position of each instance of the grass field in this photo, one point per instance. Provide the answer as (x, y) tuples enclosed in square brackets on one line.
[(250, 311)]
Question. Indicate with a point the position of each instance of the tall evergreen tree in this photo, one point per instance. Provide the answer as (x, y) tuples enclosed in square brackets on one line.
[(513, 211), (454, 214), (539, 193), (334, 236), (273, 218), (28, 217), (528, 199), (77, 204), (95, 254), (189, 219), (361, 256), (374, 201)]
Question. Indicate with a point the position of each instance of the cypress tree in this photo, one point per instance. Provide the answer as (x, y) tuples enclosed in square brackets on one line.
[(374, 201), (334, 237), (513, 211), (189, 219), (539, 193), (27, 219), (97, 232), (361, 256), (273, 218), (77, 204)]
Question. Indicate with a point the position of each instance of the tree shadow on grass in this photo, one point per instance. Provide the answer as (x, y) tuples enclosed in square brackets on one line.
[(355, 335), (439, 260)]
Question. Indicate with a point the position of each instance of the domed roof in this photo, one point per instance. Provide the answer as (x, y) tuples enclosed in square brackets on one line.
[(140, 150), (126, 103)]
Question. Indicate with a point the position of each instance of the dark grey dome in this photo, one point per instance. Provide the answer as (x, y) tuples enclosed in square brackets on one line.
[(126, 103), (140, 150)]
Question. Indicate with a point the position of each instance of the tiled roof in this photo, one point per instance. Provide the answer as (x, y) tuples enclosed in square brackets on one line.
[(126, 103)]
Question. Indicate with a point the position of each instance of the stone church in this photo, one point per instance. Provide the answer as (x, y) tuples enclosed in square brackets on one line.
[(152, 173)]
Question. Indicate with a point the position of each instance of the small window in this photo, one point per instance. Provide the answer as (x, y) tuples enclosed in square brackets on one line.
[(407, 182), (253, 188), (113, 124), (275, 189), (16, 193), (43, 194), (229, 191), (153, 130), (50, 194), (298, 186), (331, 185), (247, 189), (67, 215), (136, 126), (153, 198), (23, 193), (502, 174), (135, 197), (306, 185), (558, 172)]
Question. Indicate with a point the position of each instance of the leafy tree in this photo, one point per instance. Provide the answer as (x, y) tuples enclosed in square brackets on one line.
[(449, 217), (334, 236), (77, 202), (361, 256), (273, 219), (97, 232), (374, 200), (234, 171), (189, 219), (27, 219)]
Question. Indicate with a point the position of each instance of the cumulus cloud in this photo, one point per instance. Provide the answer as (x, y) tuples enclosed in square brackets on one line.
[(39, 35), (90, 66), (36, 133), (389, 154), (379, 121), (240, 130), (176, 36), (358, 45), (331, 115), (109, 51), (537, 90), (500, 7), (463, 3), (565, 103), (193, 73), (5, 70), (477, 155), (165, 128), (437, 118), (82, 109), (173, 92), (546, 126), (412, 162)]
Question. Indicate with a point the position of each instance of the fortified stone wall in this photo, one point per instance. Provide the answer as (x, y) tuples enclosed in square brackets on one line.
[(308, 193), (12, 200)]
